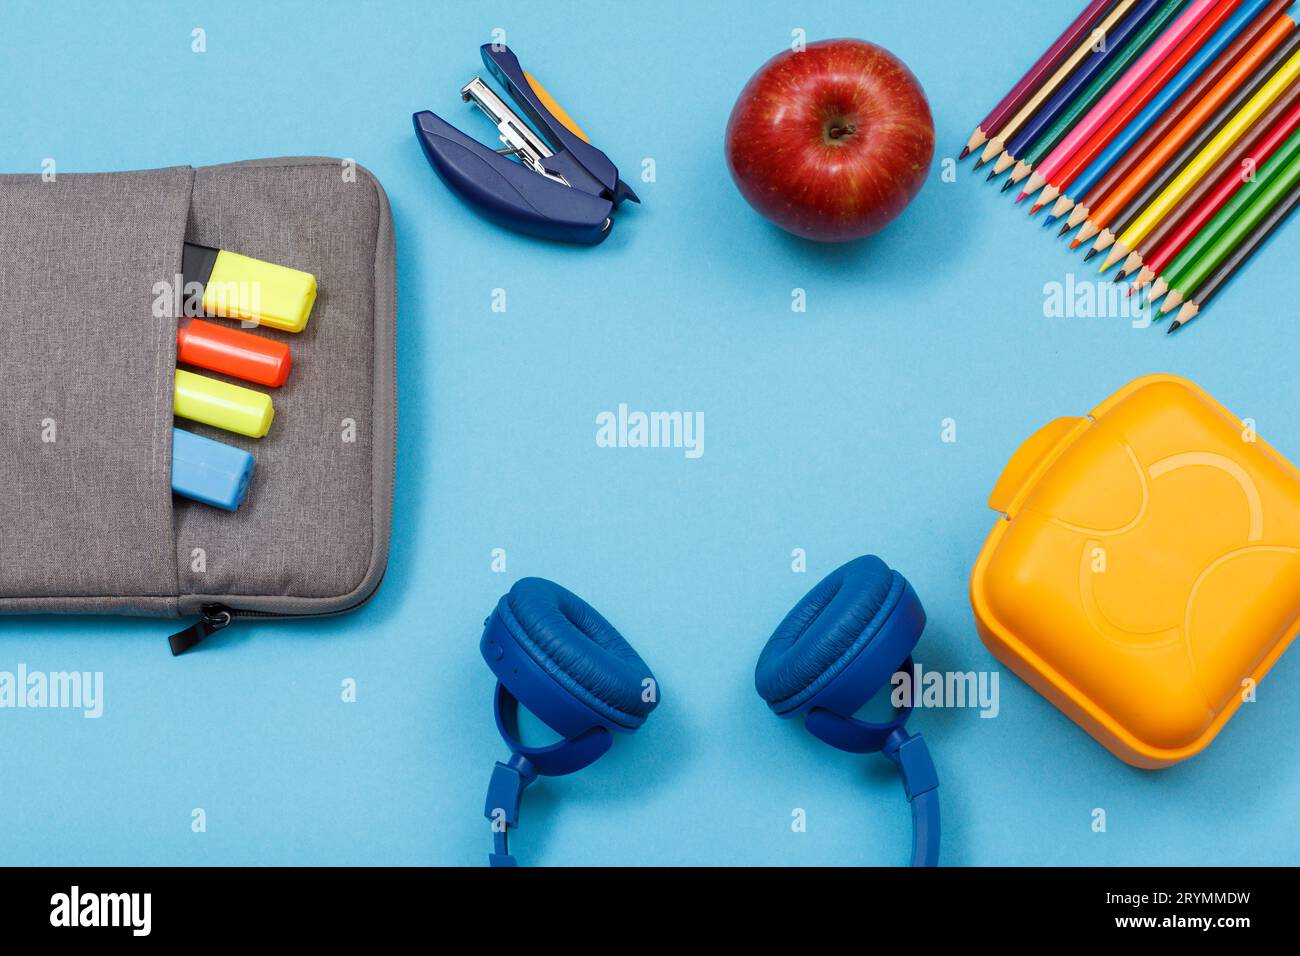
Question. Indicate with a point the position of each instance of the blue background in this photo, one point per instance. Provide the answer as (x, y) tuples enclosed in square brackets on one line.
[(822, 432)]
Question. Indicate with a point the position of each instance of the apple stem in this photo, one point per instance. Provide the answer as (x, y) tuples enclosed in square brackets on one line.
[(837, 131)]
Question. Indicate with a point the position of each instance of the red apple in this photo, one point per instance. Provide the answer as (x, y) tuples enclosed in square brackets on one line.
[(831, 142)]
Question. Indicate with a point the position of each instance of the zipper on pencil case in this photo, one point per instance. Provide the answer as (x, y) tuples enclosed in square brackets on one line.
[(218, 617)]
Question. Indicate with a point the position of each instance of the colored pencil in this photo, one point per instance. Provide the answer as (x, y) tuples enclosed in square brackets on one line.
[(1160, 117), (1112, 114), (1204, 161), (1185, 262), (1239, 256), (1264, 58), (1034, 77), (1085, 48), (1116, 49), (1210, 195), (1093, 94)]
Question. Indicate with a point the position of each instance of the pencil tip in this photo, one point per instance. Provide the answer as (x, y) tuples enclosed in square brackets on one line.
[(992, 175), (1091, 253), (1007, 185), (1064, 229), (1173, 326), (965, 151), (1022, 197)]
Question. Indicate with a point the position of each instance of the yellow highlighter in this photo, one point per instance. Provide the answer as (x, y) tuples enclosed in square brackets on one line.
[(248, 289), (222, 405)]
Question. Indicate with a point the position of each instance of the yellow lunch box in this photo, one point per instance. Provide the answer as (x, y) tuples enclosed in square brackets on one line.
[(1146, 573)]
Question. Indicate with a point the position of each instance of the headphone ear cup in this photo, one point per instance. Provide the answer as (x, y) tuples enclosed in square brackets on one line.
[(582, 653), (827, 631)]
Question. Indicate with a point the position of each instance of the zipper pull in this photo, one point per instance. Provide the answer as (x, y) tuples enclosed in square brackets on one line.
[(215, 618)]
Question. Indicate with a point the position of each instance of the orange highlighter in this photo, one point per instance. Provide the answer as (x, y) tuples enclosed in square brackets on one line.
[(233, 352)]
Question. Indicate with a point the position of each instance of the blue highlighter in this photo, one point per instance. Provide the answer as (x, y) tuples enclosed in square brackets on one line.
[(209, 471)]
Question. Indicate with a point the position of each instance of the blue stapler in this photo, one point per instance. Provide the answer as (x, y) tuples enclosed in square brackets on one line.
[(561, 187)]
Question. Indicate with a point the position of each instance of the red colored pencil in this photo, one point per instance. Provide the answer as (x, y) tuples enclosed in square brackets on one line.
[(1017, 95)]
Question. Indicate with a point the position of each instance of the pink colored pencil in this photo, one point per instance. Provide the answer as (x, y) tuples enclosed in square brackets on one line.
[(1031, 80), (1122, 90)]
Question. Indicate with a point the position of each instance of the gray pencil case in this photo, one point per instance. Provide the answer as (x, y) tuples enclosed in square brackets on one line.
[(88, 522)]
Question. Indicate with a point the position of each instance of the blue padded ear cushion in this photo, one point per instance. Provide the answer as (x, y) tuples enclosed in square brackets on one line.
[(581, 650), (823, 633)]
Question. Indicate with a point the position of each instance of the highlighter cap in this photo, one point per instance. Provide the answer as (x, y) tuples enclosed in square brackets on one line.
[(233, 352), (248, 289), (209, 471), (222, 405)]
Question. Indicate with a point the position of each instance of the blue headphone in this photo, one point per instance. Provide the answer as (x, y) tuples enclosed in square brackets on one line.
[(835, 649), (556, 655), (553, 653)]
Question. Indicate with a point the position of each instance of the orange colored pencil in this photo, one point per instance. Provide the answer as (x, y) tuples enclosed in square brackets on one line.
[(1154, 161)]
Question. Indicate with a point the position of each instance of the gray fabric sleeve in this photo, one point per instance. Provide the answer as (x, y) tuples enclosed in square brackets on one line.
[(87, 366)]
